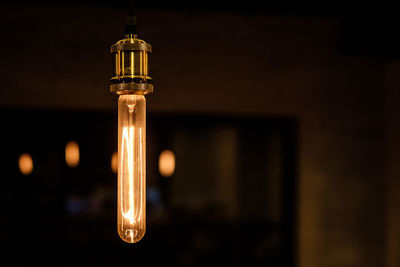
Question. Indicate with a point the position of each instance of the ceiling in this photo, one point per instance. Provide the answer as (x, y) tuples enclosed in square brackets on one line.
[(369, 28)]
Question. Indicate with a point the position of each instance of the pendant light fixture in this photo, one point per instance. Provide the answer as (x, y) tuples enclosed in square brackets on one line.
[(131, 83)]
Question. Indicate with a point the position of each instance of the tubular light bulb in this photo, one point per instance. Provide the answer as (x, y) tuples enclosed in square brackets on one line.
[(131, 81), (131, 167)]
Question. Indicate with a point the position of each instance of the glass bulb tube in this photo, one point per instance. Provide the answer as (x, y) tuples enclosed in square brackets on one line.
[(131, 167)]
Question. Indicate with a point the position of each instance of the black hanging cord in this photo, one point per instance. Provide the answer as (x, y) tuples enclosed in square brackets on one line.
[(130, 26)]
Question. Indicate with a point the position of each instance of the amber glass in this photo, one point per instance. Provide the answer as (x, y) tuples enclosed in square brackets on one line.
[(131, 167)]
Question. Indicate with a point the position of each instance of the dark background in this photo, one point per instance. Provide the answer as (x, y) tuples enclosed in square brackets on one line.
[(283, 117)]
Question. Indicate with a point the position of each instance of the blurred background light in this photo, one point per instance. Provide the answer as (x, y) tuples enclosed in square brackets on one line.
[(25, 164), (166, 163), (72, 154), (114, 162)]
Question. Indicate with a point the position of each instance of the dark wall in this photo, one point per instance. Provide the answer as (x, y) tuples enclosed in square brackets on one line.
[(392, 143), (224, 63)]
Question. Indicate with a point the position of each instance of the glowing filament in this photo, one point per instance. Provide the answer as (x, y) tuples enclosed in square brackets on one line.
[(131, 168), (128, 146)]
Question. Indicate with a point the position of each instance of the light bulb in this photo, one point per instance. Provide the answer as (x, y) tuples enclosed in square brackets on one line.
[(114, 162), (131, 167), (131, 82), (72, 154), (166, 163), (25, 164)]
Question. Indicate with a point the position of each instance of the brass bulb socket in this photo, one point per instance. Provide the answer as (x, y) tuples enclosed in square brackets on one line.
[(130, 68)]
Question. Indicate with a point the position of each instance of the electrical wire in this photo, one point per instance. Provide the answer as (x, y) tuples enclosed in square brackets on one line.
[(130, 26)]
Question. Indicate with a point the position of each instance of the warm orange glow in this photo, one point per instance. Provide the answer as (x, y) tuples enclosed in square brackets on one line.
[(72, 154), (25, 164), (131, 193), (166, 163), (130, 214), (114, 162)]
